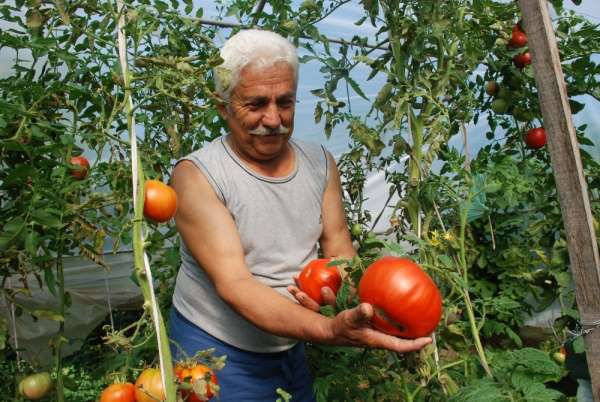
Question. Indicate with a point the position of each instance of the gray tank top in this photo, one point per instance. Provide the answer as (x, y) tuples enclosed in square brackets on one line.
[(279, 222)]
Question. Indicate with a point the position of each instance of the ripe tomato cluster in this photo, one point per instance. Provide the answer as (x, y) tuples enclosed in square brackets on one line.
[(406, 301), (148, 386), (518, 39)]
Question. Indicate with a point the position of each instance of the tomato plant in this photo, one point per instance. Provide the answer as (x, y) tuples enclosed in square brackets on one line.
[(80, 168), (160, 201), (203, 380), (149, 387), (406, 301), (35, 386), (119, 392), (316, 275), (535, 138)]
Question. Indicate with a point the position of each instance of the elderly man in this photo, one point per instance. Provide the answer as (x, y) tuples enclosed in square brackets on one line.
[(254, 207)]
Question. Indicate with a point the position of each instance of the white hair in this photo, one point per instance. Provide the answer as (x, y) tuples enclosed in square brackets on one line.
[(254, 47)]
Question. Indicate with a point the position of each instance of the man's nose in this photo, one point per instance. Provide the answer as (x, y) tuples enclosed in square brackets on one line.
[(271, 117)]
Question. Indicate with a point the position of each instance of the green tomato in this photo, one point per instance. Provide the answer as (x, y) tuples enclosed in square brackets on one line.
[(35, 386), (504, 93), (499, 106), (356, 229)]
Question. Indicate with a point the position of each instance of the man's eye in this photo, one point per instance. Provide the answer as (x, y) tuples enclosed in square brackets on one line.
[(286, 103)]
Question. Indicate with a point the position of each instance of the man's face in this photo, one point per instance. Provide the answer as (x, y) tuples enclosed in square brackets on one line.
[(260, 115)]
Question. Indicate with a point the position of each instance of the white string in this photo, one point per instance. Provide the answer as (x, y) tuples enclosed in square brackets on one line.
[(107, 287), (14, 326)]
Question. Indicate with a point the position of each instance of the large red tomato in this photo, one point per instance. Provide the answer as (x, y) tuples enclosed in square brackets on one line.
[(80, 167), (160, 201), (118, 393), (316, 275), (522, 60), (535, 138), (406, 301), (191, 375), (149, 387)]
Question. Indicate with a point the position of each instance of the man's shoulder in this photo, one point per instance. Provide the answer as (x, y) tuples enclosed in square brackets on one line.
[(208, 148)]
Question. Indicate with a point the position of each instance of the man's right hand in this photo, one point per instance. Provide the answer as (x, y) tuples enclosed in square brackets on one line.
[(353, 328)]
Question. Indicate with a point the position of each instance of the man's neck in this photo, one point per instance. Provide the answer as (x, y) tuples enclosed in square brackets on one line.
[(281, 165)]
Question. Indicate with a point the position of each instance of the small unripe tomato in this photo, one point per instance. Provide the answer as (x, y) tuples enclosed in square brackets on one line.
[(160, 201), (535, 138), (35, 386), (356, 229), (80, 168), (491, 88), (316, 275)]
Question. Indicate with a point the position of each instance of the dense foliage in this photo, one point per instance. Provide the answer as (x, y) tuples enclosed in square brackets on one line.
[(486, 225)]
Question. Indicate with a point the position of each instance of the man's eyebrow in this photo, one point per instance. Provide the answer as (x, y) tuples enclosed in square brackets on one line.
[(259, 98), (287, 95)]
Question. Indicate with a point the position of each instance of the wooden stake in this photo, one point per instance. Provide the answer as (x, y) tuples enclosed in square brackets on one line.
[(568, 172)]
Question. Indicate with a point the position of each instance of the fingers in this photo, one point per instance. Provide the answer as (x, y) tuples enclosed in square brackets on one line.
[(409, 345), (328, 296), (303, 298), (357, 329)]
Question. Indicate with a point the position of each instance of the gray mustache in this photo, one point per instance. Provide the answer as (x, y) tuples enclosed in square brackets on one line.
[(262, 130)]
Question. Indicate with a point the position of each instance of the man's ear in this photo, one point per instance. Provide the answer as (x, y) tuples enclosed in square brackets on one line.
[(222, 109)]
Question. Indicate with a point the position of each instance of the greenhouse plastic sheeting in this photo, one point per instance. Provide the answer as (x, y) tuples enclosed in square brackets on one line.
[(89, 286)]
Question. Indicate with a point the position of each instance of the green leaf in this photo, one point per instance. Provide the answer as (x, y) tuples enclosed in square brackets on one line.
[(484, 390), (47, 217), (539, 393), (11, 231), (356, 88), (578, 345), (50, 280)]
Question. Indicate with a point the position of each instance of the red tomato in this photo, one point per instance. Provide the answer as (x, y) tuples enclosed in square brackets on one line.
[(406, 301), (80, 168), (316, 275), (518, 39), (149, 387), (535, 138), (160, 201), (522, 60), (517, 28), (192, 375), (118, 393)]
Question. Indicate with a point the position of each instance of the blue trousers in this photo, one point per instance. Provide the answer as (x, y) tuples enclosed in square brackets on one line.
[(247, 376)]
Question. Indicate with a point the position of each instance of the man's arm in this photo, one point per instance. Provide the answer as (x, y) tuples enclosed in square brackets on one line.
[(209, 231), (335, 240)]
